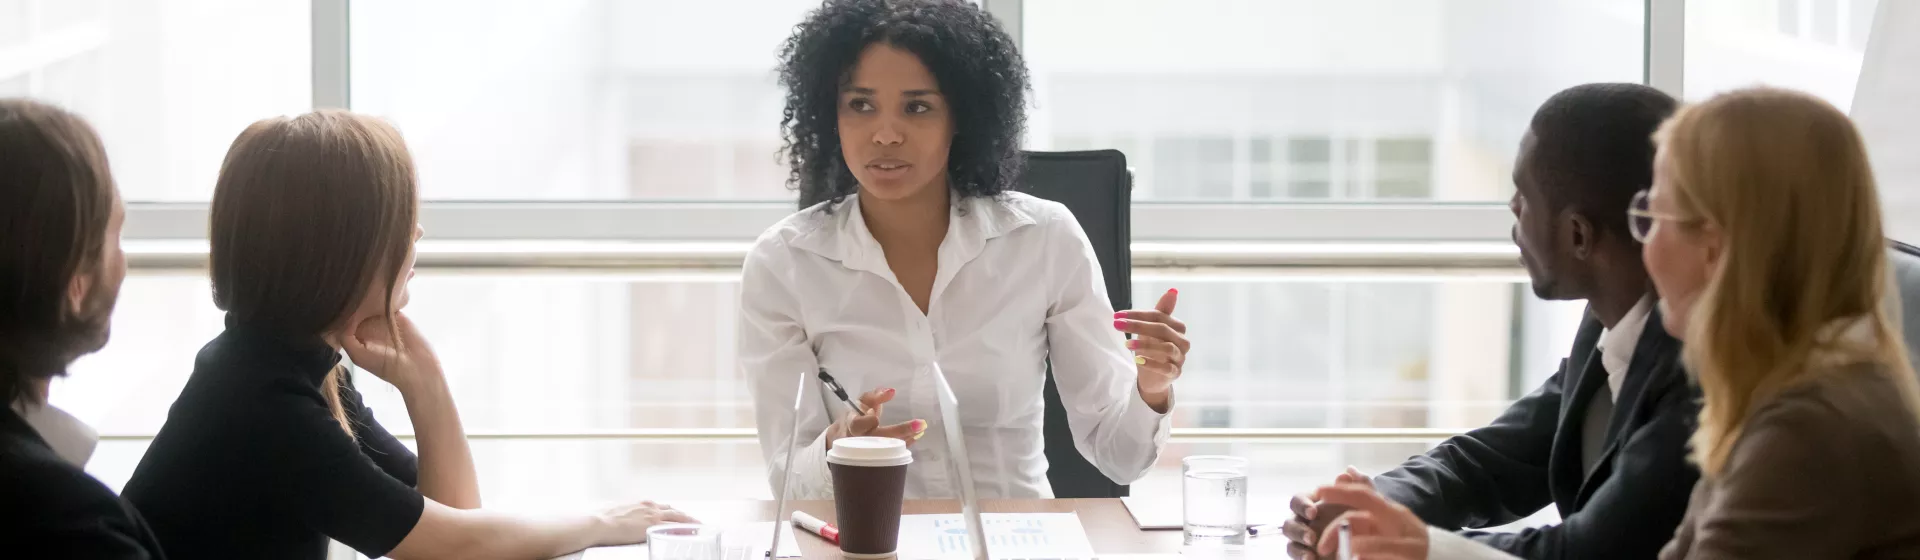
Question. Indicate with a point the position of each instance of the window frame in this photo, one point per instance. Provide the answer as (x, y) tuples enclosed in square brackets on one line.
[(1166, 234), (1424, 239)]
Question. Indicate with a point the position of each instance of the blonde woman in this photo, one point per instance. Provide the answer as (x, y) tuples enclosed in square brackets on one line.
[(1763, 237), (269, 451), (1763, 231)]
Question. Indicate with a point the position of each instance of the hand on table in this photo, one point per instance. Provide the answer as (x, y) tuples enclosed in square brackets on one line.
[(857, 424), (1312, 516), (1380, 529), (1159, 347), (628, 524)]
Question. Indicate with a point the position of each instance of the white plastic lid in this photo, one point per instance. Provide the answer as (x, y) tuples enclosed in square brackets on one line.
[(869, 452)]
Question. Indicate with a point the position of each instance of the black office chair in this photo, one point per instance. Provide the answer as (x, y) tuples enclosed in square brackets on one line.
[(1097, 187), (1904, 259)]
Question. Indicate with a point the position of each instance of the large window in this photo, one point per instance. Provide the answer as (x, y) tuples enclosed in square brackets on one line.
[(1309, 100), (1811, 45), (168, 83), (651, 352), (580, 99), (1325, 181)]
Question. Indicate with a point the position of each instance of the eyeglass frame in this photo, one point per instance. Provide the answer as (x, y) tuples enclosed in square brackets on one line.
[(1641, 208)]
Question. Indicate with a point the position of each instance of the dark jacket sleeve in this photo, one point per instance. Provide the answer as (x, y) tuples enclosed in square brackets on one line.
[(1635, 511), (1489, 476), (55, 511)]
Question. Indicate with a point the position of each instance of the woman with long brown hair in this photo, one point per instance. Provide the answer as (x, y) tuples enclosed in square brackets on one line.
[(1763, 236), (269, 450)]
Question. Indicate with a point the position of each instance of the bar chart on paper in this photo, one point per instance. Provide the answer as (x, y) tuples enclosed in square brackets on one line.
[(1009, 535)]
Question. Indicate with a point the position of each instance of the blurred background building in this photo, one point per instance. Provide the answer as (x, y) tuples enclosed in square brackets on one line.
[(1223, 105)]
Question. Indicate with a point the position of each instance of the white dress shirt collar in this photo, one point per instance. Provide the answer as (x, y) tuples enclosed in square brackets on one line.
[(69, 438), (1617, 344), (841, 234)]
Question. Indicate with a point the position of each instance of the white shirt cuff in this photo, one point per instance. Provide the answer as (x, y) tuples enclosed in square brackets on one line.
[(1141, 418), (1146, 433), (811, 480), (1448, 545)]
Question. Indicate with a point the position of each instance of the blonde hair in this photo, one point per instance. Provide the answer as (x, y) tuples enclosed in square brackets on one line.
[(1785, 178), (310, 213), (330, 388)]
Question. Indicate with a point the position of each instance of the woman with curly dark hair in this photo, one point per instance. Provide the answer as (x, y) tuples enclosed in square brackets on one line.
[(902, 125)]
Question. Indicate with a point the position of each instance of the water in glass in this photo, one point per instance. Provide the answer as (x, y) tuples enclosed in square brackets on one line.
[(1216, 500)]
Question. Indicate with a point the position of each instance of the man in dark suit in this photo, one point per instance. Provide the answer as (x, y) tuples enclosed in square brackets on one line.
[(1605, 438), (60, 273)]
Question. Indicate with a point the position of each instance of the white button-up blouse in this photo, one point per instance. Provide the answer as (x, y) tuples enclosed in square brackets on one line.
[(1017, 284)]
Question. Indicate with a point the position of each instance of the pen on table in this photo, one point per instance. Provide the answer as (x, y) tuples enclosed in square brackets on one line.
[(839, 391), (816, 526)]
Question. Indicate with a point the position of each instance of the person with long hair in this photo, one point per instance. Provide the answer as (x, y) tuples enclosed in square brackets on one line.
[(1763, 236), (911, 251), (269, 451), (1764, 230), (60, 274)]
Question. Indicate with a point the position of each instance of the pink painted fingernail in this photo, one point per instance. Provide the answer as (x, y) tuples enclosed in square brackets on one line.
[(1119, 325), (889, 392), (919, 426), (1133, 344), (1120, 315)]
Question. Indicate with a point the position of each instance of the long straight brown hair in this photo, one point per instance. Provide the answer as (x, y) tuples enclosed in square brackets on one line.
[(1785, 177), (56, 196), (309, 214)]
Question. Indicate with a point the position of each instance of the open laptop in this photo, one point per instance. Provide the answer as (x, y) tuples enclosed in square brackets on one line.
[(740, 549), (960, 464), (783, 523)]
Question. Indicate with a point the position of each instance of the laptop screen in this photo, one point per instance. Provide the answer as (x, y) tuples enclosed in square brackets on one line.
[(783, 523), (960, 463)]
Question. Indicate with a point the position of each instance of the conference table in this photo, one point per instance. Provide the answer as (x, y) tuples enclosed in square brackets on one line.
[(1109, 527)]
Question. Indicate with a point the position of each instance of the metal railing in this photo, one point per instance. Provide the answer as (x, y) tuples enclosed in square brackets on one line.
[(1469, 242), (1179, 435), (165, 256)]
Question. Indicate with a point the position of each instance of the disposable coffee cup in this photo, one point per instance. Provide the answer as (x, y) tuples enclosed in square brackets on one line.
[(869, 480)]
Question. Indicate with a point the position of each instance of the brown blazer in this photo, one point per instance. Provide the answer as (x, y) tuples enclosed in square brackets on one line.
[(1830, 469)]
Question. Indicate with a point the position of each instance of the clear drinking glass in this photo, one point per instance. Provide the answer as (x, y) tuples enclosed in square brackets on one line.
[(1215, 496), (683, 541)]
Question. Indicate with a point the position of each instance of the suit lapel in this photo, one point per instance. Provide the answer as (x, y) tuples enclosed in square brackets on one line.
[(12, 424), (1649, 355), (1649, 375), (1578, 385), (1583, 360)]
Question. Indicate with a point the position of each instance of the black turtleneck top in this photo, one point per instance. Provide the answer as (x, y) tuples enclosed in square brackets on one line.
[(252, 464)]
